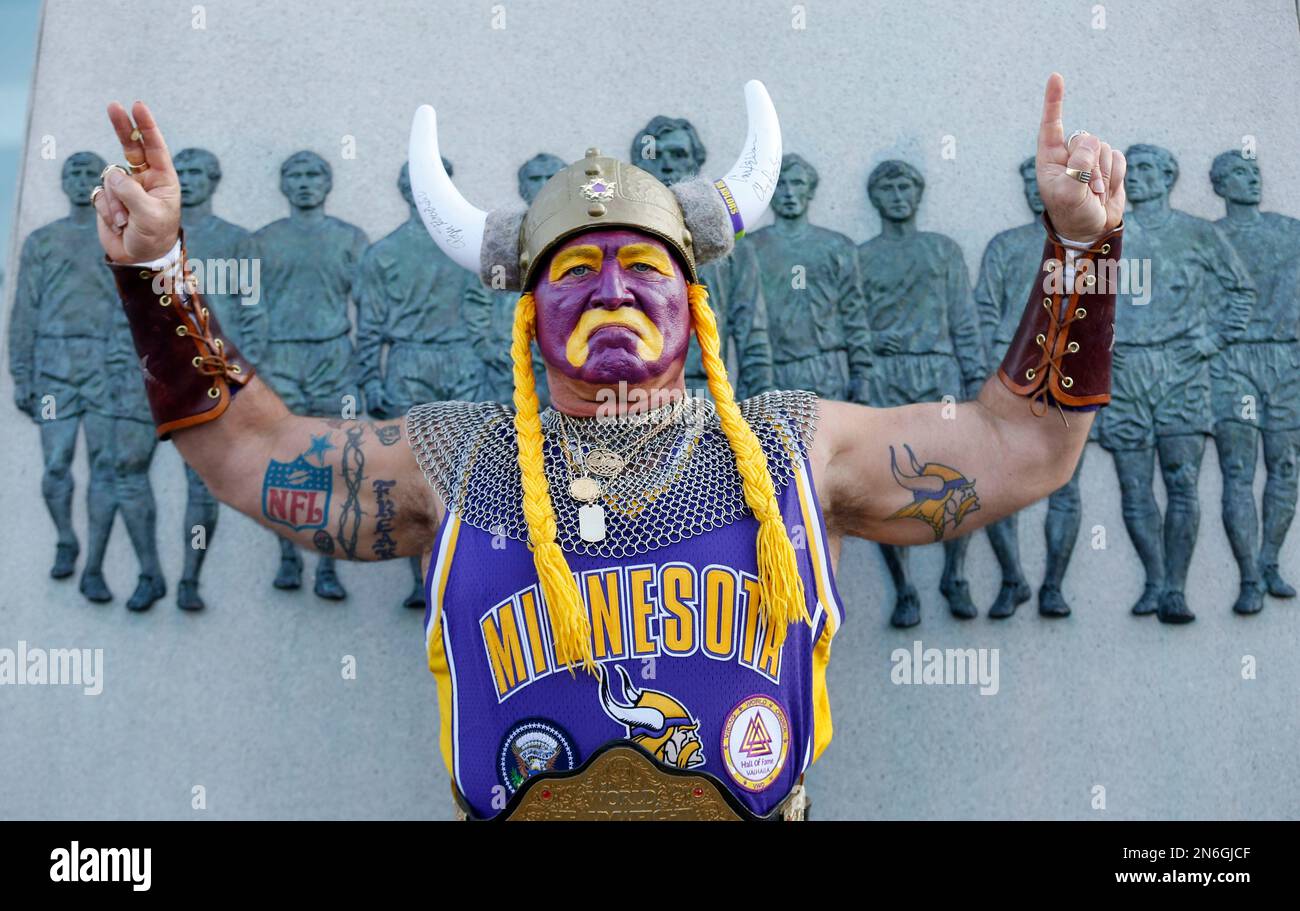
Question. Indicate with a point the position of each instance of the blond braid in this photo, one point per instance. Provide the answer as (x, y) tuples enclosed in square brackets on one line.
[(569, 621), (778, 572)]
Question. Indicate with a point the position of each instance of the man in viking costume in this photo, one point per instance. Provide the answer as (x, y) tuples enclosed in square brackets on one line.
[(626, 597)]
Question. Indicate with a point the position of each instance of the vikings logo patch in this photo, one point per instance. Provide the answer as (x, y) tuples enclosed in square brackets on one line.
[(941, 496), (531, 748), (654, 721), (756, 742), (598, 189)]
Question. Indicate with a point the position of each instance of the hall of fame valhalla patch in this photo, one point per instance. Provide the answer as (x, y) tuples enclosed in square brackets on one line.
[(756, 742)]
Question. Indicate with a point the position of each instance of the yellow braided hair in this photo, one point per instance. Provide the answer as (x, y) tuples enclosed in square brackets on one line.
[(569, 621), (782, 594)]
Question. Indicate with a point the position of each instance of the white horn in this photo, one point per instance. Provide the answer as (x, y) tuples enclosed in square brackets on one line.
[(456, 226), (752, 179)]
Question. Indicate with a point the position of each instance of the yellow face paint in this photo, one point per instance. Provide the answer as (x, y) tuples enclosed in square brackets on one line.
[(631, 254), (649, 347), (584, 255)]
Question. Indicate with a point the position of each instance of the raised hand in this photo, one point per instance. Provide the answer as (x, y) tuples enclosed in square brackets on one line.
[(1080, 211), (139, 213)]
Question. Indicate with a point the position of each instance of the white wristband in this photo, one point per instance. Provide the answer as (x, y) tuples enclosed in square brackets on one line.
[(166, 262), (1073, 244)]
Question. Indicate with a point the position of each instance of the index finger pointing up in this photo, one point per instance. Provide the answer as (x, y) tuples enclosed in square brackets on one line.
[(1051, 134)]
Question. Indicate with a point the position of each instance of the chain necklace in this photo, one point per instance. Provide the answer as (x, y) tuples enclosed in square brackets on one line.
[(683, 483), (607, 464)]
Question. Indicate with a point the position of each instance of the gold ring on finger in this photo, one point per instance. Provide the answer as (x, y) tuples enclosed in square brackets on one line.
[(138, 168), (1081, 176), (94, 194)]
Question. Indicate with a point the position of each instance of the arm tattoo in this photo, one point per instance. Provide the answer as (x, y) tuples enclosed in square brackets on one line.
[(941, 496), (324, 543), (297, 493), (386, 513), (387, 434), (352, 464)]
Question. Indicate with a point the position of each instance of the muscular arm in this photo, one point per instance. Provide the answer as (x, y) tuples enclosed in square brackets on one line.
[(933, 471), (975, 462), (374, 504), (351, 489)]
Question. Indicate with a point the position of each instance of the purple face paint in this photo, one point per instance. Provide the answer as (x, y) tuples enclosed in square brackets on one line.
[(610, 353)]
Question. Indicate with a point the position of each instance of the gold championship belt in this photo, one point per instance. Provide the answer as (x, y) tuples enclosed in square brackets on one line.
[(623, 782)]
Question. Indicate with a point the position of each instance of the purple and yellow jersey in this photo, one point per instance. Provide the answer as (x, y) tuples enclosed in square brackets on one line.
[(687, 669)]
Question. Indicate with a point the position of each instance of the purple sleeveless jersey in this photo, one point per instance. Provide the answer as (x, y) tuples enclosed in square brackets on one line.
[(687, 669)]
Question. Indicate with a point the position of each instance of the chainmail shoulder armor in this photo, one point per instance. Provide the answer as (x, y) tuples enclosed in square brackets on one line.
[(681, 482)]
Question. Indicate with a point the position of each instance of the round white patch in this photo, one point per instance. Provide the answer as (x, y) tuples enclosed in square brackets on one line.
[(756, 742)]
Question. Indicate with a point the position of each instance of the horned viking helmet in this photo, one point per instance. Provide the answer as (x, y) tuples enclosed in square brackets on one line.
[(699, 219)]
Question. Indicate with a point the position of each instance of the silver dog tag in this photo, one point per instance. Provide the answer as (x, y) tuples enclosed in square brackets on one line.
[(591, 522)]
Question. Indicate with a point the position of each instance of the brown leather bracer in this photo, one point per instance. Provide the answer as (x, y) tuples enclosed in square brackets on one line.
[(191, 371), (1062, 348)]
